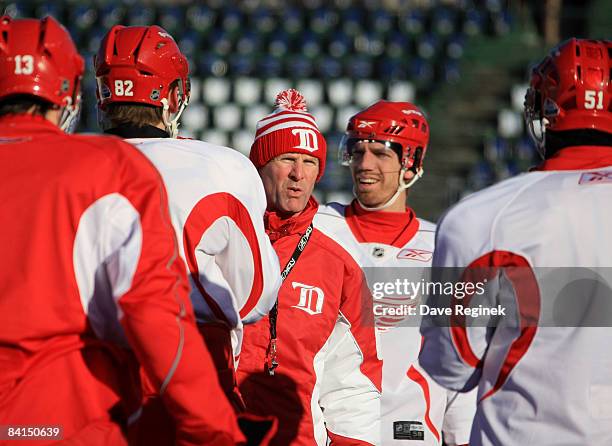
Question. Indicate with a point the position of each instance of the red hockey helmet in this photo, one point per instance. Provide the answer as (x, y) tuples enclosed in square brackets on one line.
[(571, 89), (138, 64), (38, 58), (401, 126)]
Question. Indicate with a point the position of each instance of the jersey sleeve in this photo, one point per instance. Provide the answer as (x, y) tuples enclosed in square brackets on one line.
[(149, 284), (270, 267), (351, 386), (452, 355)]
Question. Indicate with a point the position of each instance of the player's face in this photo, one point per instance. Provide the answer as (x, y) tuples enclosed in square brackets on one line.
[(375, 170), (289, 180)]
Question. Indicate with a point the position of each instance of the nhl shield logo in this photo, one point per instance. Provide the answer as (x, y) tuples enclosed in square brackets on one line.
[(378, 252)]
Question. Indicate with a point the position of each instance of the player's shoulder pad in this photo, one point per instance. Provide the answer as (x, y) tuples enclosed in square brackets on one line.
[(224, 158), (222, 154), (426, 225), (332, 209), (107, 143), (482, 207), (324, 237), (330, 218), (97, 138), (116, 150)]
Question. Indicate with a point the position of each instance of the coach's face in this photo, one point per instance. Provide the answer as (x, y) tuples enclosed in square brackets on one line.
[(289, 180)]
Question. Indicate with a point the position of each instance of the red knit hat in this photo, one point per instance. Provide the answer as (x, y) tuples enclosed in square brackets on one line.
[(289, 129)]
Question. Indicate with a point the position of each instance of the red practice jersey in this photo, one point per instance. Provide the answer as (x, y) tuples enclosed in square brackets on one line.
[(90, 257)]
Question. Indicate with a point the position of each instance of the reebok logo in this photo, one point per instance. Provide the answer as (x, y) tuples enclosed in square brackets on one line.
[(364, 124), (595, 178), (415, 254)]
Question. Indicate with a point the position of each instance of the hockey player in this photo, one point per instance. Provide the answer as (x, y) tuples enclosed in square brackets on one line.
[(216, 197), (540, 382), (313, 363), (384, 146), (89, 268)]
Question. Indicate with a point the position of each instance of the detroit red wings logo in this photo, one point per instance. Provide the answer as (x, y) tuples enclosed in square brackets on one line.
[(308, 139), (393, 311), (311, 298), (420, 255)]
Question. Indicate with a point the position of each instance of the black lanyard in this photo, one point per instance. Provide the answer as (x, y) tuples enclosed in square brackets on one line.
[(271, 362)]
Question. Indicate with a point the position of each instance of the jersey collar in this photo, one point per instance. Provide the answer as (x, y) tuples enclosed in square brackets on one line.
[(578, 158), (278, 227), (146, 131), (26, 123), (388, 228)]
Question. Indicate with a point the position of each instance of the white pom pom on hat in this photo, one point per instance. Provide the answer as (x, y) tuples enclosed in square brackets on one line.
[(288, 129), (290, 99)]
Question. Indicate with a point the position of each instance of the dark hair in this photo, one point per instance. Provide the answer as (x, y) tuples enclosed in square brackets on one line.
[(24, 103), (120, 114), (136, 115)]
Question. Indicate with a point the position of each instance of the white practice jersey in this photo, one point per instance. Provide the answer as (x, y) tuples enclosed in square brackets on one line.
[(550, 381), (217, 203), (415, 410)]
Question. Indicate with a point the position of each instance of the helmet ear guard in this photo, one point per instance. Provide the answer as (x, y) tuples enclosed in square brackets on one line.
[(170, 119), (173, 108), (416, 161), (178, 95), (533, 117), (69, 116)]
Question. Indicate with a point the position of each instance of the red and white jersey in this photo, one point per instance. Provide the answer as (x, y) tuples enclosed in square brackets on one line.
[(217, 203), (327, 384), (538, 383), (90, 256), (413, 405)]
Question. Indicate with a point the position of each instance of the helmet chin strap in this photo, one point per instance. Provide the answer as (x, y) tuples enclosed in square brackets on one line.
[(69, 117), (172, 125), (402, 186), (540, 140)]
